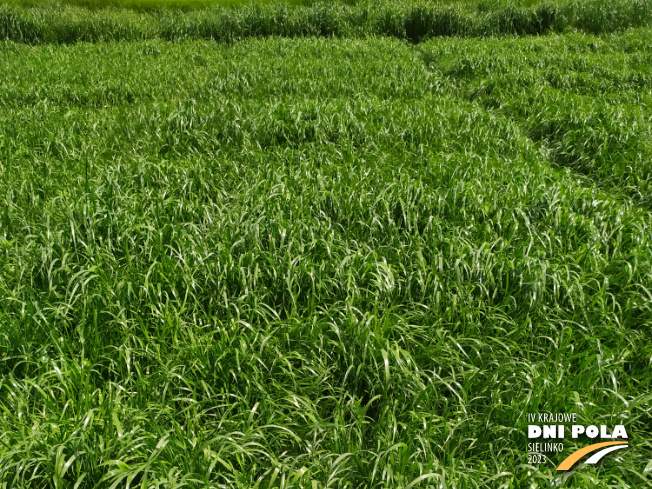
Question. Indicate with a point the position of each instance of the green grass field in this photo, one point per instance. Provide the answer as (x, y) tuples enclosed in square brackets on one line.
[(354, 258), (147, 5), (411, 20)]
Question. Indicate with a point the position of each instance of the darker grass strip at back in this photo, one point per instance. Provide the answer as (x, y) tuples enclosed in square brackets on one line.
[(414, 22)]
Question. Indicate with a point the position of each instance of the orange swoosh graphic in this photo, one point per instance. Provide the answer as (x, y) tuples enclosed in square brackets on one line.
[(575, 456)]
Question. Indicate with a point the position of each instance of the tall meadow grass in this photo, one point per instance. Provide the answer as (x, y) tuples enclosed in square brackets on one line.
[(412, 21)]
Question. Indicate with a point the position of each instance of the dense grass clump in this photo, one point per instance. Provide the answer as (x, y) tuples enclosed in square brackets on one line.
[(413, 21), (321, 262)]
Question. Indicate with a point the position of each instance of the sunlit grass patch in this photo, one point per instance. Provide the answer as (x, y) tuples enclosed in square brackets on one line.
[(321, 262)]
